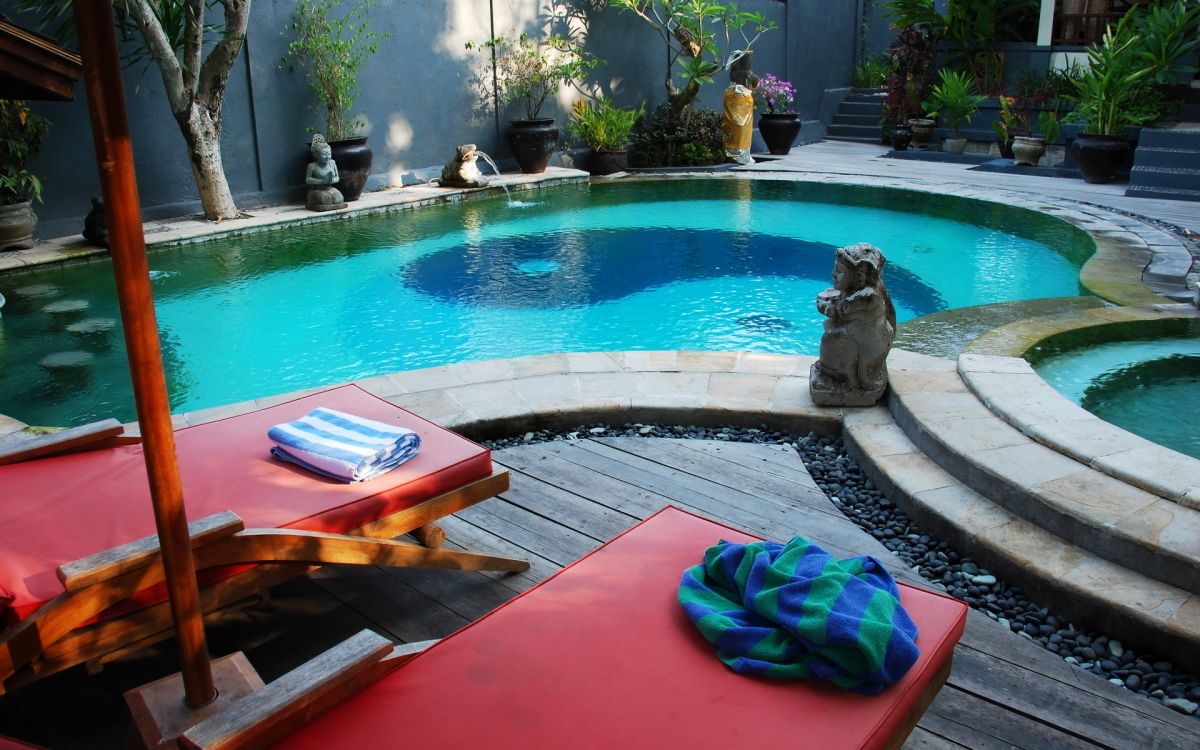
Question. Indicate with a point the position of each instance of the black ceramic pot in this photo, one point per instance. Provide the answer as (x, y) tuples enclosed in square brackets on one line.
[(1099, 156), (607, 162), (532, 143), (779, 132), (353, 159), (901, 136)]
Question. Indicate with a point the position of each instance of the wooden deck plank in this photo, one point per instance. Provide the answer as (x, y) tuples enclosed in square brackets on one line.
[(923, 739), (396, 609), (594, 519), (989, 727)]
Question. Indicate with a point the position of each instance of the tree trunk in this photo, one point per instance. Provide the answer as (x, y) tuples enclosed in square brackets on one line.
[(680, 100), (203, 136)]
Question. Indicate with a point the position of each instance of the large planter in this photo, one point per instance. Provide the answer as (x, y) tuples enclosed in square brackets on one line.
[(17, 221), (532, 143), (353, 159), (602, 162), (779, 131), (922, 130), (1099, 156), (954, 145), (900, 136), (1028, 150)]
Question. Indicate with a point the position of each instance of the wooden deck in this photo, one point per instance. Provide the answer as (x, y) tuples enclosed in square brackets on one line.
[(568, 498)]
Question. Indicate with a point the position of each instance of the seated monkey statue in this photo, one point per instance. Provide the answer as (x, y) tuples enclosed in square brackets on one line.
[(462, 171)]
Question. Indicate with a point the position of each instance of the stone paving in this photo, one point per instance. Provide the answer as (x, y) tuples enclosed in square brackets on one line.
[(980, 447)]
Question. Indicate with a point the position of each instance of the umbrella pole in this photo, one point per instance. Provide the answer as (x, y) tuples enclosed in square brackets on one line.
[(114, 153)]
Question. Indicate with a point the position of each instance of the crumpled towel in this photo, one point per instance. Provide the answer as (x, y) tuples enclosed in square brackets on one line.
[(343, 446), (795, 611)]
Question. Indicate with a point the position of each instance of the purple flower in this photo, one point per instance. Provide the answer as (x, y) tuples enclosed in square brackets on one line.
[(774, 95)]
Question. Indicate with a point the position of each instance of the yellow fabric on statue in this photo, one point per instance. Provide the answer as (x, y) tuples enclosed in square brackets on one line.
[(738, 123)]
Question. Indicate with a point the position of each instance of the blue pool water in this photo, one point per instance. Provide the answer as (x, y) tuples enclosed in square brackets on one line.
[(709, 265)]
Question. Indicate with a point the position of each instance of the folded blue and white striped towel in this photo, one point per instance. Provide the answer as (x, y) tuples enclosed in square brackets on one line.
[(343, 446)]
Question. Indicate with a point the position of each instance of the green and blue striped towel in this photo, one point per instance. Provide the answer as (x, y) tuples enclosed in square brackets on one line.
[(795, 611)]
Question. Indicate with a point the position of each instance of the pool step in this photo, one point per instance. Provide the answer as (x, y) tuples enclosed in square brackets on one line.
[(1081, 585)]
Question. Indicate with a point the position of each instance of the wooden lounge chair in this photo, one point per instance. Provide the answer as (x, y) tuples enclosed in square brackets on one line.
[(600, 655), (79, 581)]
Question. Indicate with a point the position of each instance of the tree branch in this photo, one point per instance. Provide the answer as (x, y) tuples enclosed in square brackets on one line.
[(214, 75), (193, 42), (159, 47)]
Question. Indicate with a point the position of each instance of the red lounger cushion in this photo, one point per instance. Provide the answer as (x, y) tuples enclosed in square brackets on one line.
[(60, 509), (602, 656)]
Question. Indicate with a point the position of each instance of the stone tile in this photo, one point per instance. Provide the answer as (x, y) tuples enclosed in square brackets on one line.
[(380, 385), (580, 362), (489, 399), (975, 434), (936, 407), (1154, 468), (705, 361), (772, 364), (675, 385), (660, 361), (484, 371), (1023, 399), (882, 440), (1186, 617), (1112, 583), (965, 508), (756, 389), (1191, 498), (990, 363), (437, 406), (1021, 540), (1028, 465), (552, 393), (544, 364), (1167, 525), (9, 425), (1083, 439), (905, 382), (1091, 495), (901, 359), (430, 378), (914, 472), (871, 415)]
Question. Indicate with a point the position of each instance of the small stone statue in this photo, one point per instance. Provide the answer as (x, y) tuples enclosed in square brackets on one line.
[(462, 171), (95, 224), (852, 369), (321, 176)]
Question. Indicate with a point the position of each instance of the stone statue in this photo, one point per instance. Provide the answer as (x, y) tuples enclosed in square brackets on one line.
[(321, 176), (462, 171), (852, 369), (737, 123), (95, 224)]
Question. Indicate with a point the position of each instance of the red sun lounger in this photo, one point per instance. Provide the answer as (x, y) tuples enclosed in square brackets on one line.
[(78, 581), (599, 656)]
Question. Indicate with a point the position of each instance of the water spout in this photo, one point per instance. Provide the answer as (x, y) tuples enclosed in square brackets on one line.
[(495, 169)]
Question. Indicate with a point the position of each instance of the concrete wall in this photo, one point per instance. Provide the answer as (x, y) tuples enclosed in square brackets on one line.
[(416, 96)]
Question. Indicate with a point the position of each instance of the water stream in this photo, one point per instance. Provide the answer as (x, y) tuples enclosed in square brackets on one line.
[(496, 169)]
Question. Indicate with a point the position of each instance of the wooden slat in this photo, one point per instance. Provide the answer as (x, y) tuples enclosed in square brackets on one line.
[(84, 437), (988, 727), (114, 561)]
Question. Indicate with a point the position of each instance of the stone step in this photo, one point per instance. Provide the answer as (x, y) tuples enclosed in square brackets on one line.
[(67, 311), (1166, 158), (1161, 177), (1078, 584), (863, 109), (867, 121), (854, 139), (68, 368), (867, 96), (1176, 138), (1104, 515), (1170, 194), (854, 131)]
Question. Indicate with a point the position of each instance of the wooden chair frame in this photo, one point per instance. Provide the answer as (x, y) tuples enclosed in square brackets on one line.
[(55, 637)]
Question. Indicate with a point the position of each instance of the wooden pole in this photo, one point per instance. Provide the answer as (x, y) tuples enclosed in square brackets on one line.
[(114, 152)]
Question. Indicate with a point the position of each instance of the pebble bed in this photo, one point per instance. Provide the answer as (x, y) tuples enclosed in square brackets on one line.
[(936, 561)]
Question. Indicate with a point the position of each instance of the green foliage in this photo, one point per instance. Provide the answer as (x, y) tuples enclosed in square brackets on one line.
[(954, 98), (1169, 34), (527, 71), (665, 138), (1049, 126), (701, 37), (1105, 91), (603, 126), (21, 133), (331, 50), (873, 72)]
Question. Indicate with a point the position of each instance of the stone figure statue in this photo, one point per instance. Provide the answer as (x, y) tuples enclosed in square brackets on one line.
[(737, 123), (852, 369), (95, 224), (321, 176), (462, 171)]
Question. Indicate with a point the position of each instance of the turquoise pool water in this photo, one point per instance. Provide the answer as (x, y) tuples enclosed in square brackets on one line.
[(705, 264), (1150, 387)]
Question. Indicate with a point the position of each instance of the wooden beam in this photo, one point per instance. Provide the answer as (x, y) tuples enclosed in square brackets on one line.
[(34, 67), (70, 440)]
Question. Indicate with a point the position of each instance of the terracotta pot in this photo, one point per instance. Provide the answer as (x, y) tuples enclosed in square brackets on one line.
[(1099, 156), (532, 143), (353, 158), (779, 131), (1028, 150), (17, 221)]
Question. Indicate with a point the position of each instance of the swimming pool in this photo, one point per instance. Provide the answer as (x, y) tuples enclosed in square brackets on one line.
[(696, 264)]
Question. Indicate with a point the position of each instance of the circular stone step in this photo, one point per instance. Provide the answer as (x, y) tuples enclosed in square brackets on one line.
[(95, 332), (67, 311), (38, 291), (68, 368)]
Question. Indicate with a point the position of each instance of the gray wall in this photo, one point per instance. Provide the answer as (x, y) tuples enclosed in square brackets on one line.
[(416, 96)]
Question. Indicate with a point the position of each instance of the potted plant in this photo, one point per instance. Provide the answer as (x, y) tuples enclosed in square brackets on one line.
[(955, 99), (605, 129), (21, 133), (1010, 125), (778, 123), (331, 50), (1028, 149), (1103, 96), (526, 71)]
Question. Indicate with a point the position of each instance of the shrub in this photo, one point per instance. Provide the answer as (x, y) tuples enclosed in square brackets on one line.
[(603, 126), (528, 70), (21, 133), (664, 139)]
